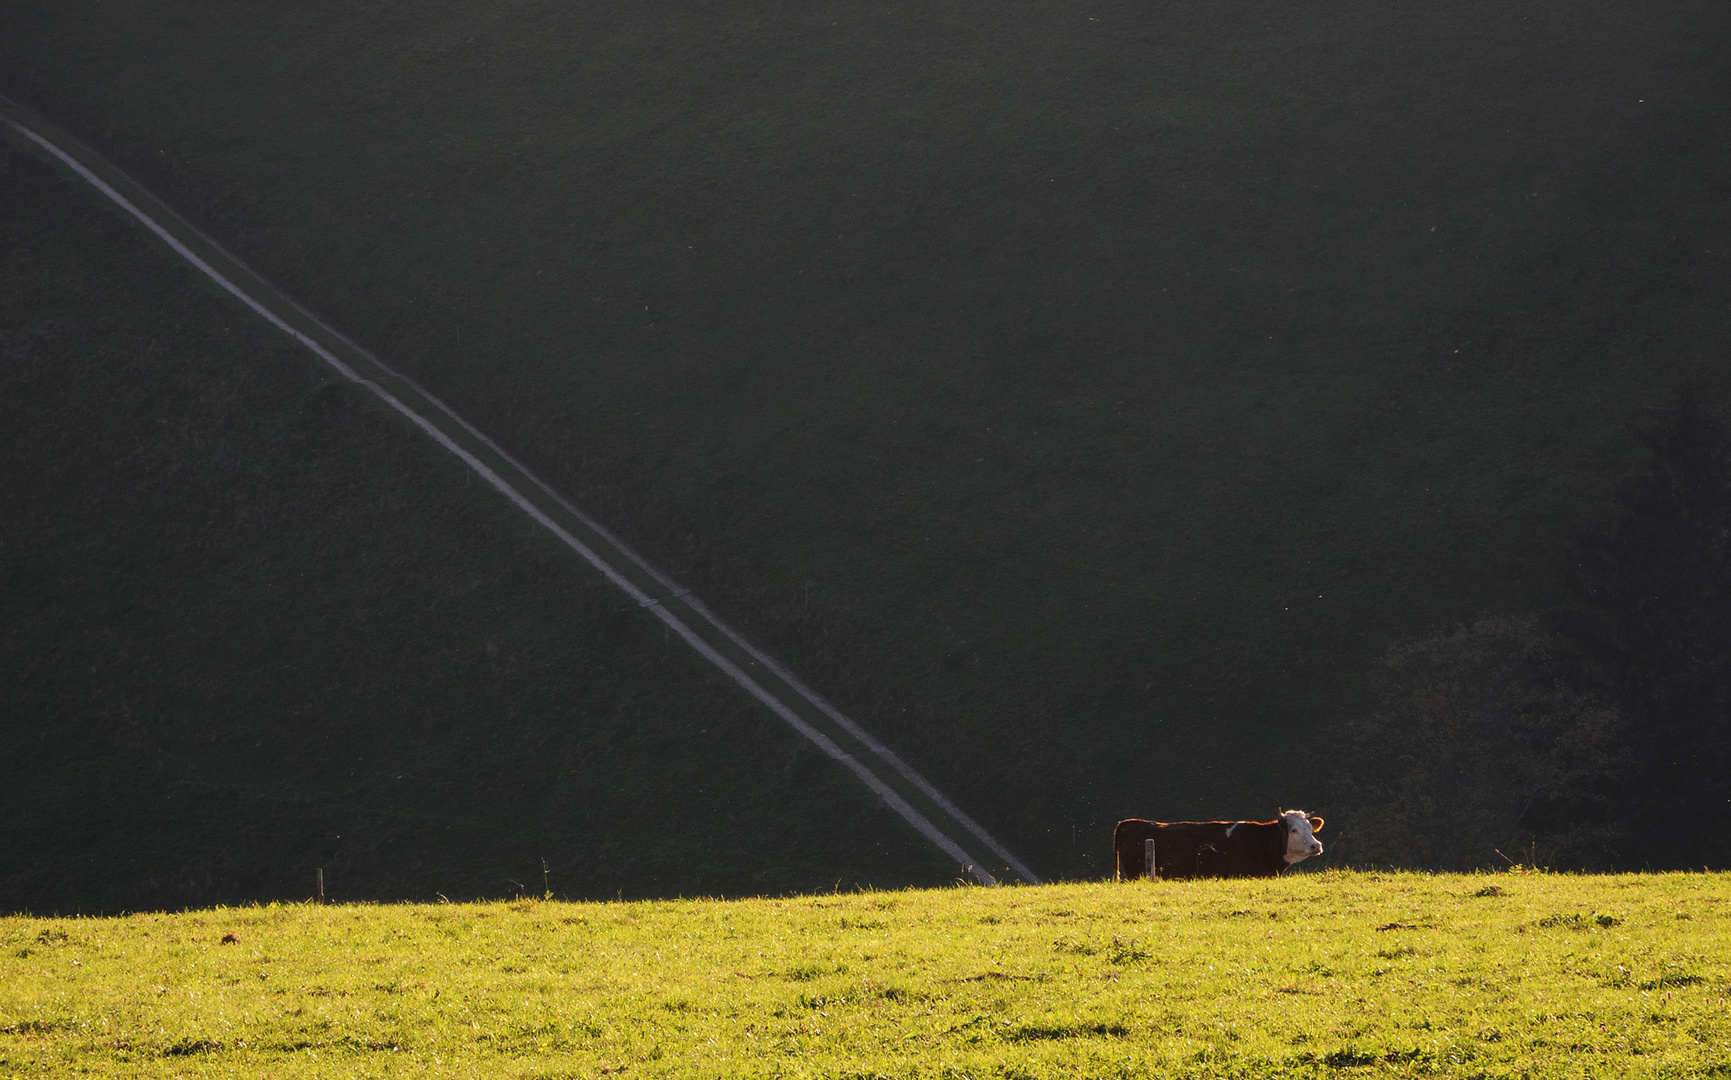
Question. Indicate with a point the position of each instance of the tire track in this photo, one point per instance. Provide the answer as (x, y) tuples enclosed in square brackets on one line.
[(919, 802)]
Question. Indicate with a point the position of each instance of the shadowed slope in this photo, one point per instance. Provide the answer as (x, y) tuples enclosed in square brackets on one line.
[(252, 624), (1082, 399)]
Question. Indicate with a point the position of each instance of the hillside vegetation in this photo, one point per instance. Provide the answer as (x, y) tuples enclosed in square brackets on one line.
[(1335, 974), (252, 625), (1080, 396)]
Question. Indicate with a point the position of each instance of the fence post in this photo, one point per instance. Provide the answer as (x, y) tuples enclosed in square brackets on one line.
[(1148, 859), (319, 880)]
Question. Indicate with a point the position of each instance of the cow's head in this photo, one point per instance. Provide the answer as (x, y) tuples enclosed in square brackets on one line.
[(1301, 830)]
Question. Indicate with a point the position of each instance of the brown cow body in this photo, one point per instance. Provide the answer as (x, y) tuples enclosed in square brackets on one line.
[(1215, 849)]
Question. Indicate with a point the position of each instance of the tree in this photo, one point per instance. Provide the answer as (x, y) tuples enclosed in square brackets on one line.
[(1479, 746), (1655, 586)]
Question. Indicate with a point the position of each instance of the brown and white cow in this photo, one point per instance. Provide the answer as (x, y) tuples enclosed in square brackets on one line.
[(1216, 849)]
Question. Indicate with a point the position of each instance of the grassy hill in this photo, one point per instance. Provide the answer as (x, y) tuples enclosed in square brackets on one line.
[(1333, 974), (252, 624), (1079, 396)]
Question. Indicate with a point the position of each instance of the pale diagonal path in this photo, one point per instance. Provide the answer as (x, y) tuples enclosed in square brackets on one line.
[(901, 787)]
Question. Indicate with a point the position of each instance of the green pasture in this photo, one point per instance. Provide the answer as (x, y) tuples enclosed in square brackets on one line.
[(1334, 973), (1081, 395)]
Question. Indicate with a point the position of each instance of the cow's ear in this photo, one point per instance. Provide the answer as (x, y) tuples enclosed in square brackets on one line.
[(1315, 824)]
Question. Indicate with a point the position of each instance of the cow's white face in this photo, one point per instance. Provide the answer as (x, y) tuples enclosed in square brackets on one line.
[(1301, 841)]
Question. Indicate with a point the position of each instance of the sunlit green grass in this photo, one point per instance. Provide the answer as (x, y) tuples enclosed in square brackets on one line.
[(1535, 975)]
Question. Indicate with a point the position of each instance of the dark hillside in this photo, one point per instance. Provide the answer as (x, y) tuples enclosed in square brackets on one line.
[(1081, 395), (251, 624)]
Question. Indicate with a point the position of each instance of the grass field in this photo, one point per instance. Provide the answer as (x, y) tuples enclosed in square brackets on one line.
[(1080, 398), (1319, 974)]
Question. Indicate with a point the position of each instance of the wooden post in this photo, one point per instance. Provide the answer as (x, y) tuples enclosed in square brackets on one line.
[(319, 879), (1148, 859)]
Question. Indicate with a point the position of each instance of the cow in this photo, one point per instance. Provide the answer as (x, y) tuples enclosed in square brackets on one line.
[(1216, 849)]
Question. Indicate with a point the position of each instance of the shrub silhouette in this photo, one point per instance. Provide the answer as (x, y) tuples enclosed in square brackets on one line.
[(1479, 746)]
